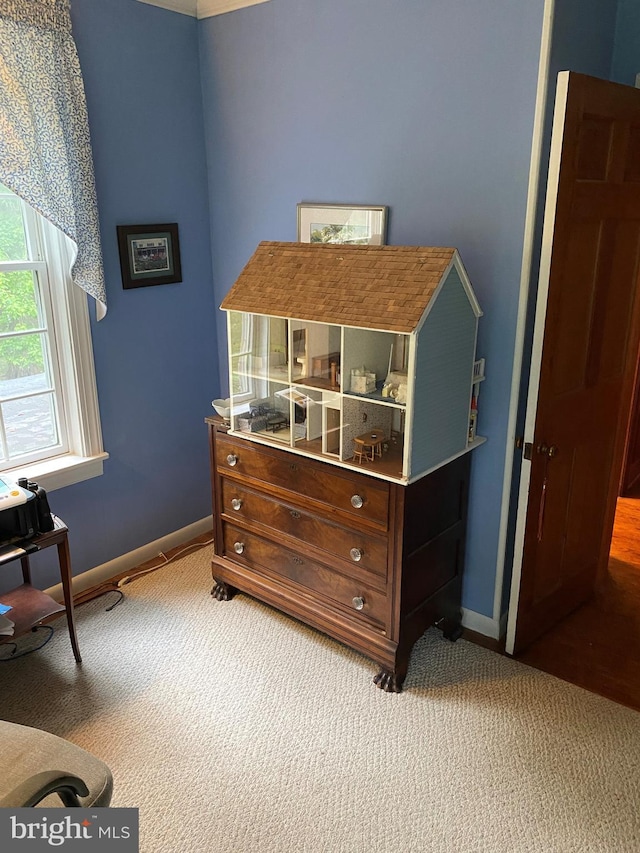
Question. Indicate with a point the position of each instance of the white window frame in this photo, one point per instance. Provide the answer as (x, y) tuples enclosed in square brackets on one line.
[(83, 455), (243, 357)]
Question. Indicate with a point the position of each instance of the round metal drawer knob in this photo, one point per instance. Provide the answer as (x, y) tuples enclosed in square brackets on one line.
[(358, 602), (232, 459), (238, 547), (357, 501), (356, 554), (236, 503)]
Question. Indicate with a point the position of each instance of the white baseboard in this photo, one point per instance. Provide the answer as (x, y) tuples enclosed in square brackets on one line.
[(484, 625), (126, 562), (101, 574)]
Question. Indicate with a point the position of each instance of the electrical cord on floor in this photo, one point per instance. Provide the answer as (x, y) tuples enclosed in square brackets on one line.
[(117, 601), (115, 585), (105, 592), (13, 656), (166, 560)]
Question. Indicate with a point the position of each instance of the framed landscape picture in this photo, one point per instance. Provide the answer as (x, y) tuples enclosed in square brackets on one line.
[(341, 223), (149, 254)]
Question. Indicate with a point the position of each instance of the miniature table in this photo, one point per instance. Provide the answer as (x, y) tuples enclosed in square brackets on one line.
[(368, 446), (276, 422), (30, 606)]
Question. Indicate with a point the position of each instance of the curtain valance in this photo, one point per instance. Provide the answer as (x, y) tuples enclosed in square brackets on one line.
[(38, 13), (45, 146)]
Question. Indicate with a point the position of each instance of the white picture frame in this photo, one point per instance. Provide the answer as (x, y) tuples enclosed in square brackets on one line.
[(342, 223)]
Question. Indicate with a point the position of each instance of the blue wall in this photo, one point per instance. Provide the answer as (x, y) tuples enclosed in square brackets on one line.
[(583, 36), (626, 59), (155, 352), (424, 106)]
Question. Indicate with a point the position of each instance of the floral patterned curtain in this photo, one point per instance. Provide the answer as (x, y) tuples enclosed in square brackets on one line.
[(45, 148)]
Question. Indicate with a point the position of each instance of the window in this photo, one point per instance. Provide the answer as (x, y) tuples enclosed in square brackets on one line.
[(49, 422), (241, 337)]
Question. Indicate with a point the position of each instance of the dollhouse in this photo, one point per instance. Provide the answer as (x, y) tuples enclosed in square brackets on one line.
[(358, 355)]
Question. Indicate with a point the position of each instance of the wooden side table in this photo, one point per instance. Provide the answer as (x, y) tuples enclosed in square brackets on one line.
[(30, 606)]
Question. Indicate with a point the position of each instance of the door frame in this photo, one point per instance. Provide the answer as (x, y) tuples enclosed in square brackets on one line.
[(557, 139), (544, 84)]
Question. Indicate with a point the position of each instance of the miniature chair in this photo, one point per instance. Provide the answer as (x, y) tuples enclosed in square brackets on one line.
[(34, 764), (359, 450), (368, 446)]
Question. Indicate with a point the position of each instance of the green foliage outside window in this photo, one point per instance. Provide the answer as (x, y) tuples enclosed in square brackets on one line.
[(22, 356)]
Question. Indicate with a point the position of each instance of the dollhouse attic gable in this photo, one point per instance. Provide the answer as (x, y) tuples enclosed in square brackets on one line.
[(373, 287)]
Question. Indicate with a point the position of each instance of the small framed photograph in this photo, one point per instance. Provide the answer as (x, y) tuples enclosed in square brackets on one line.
[(341, 223), (149, 254)]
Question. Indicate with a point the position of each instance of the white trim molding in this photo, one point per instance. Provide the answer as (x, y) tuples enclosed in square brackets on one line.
[(482, 624), (61, 471), (535, 168), (553, 180), (202, 8), (209, 8), (184, 7), (126, 562)]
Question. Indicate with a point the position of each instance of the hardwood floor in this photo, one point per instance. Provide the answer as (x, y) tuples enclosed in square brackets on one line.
[(598, 646)]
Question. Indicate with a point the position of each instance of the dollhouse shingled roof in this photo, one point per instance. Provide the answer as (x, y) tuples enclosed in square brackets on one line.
[(375, 287)]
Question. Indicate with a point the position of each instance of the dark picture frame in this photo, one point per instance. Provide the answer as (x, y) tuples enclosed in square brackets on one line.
[(149, 254)]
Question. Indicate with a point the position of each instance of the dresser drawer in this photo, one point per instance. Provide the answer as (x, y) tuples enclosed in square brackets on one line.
[(362, 551), (356, 495), (247, 548)]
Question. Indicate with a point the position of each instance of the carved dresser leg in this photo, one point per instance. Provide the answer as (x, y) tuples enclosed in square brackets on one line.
[(222, 591), (388, 681)]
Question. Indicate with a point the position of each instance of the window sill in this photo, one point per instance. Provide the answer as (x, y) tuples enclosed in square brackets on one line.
[(62, 471)]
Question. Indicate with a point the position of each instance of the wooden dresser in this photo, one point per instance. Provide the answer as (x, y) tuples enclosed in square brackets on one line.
[(369, 562)]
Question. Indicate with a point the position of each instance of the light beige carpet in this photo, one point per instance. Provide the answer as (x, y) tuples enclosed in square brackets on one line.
[(234, 728)]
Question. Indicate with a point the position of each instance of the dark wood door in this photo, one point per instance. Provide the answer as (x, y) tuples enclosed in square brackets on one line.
[(589, 351), (631, 468)]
